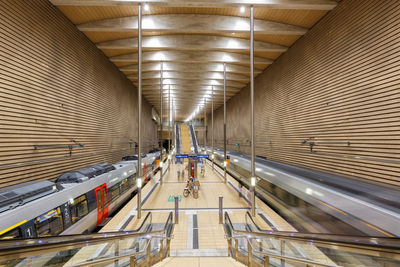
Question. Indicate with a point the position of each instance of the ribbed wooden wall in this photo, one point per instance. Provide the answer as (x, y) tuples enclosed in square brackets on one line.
[(338, 83), (57, 88)]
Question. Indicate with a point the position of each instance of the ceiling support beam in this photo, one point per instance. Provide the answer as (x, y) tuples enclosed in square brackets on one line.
[(191, 57), (191, 76), (183, 23), (192, 43), (187, 67), (271, 4), (195, 82)]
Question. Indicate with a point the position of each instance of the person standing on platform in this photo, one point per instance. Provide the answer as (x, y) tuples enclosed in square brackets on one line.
[(179, 174)]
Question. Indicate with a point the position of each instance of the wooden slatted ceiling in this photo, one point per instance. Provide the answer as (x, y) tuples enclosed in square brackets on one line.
[(339, 83), (84, 14), (56, 86)]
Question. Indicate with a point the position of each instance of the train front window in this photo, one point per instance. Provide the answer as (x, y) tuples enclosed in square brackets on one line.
[(14, 233), (49, 223), (79, 208)]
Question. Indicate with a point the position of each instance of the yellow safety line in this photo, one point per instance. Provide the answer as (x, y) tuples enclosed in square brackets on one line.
[(329, 206), (367, 224), (379, 230), (12, 227)]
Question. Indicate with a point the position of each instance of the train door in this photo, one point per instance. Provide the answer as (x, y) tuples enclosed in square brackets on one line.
[(102, 203)]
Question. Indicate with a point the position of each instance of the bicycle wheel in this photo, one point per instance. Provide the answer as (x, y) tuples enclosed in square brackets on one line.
[(186, 192)]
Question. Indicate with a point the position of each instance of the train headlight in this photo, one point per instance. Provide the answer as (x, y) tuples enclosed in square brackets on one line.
[(253, 181), (139, 182)]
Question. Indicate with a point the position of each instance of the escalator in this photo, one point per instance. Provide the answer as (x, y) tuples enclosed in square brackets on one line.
[(193, 139), (178, 139), (145, 246), (253, 246)]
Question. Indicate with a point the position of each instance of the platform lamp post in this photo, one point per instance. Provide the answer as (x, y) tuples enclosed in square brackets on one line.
[(253, 172), (225, 160), (161, 121), (169, 123), (139, 172), (212, 125), (139, 197), (204, 125)]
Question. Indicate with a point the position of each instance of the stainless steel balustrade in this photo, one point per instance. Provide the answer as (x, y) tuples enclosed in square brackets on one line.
[(257, 247), (142, 247)]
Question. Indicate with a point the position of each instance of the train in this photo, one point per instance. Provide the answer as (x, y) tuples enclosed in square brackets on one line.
[(76, 203), (299, 195)]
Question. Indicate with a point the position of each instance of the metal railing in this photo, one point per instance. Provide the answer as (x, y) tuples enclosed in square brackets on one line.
[(257, 247), (142, 247)]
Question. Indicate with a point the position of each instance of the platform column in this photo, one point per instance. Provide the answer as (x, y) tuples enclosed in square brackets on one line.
[(220, 210), (161, 121), (169, 122), (225, 162), (253, 172), (204, 124), (212, 125), (176, 210), (139, 198), (139, 172)]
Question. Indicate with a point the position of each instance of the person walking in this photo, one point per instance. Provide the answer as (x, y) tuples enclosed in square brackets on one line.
[(179, 174), (240, 190)]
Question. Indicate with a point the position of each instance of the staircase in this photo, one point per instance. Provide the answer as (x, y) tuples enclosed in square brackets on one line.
[(199, 261), (185, 139)]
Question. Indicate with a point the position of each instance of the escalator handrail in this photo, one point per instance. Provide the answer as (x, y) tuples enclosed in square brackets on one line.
[(388, 244), (44, 244)]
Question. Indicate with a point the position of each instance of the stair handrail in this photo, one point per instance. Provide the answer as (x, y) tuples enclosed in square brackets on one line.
[(383, 246), (20, 248)]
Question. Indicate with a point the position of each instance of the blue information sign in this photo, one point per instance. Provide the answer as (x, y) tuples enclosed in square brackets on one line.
[(202, 156), (183, 156)]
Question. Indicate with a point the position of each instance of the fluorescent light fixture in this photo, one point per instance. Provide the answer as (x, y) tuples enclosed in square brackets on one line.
[(146, 7), (253, 181), (242, 9), (139, 182)]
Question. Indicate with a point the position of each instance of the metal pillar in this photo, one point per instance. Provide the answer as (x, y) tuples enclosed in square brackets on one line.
[(176, 210), (139, 202), (225, 161), (204, 125), (140, 172), (161, 120), (172, 124), (220, 211), (253, 168), (212, 125), (169, 120)]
